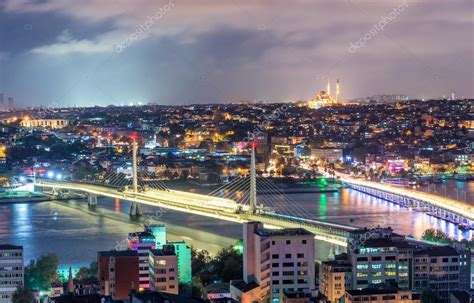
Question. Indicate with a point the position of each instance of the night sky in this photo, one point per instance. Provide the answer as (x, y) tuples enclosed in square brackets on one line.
[(100, 52)]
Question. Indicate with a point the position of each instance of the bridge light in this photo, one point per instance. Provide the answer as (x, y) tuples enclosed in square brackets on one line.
[(59, 177), (22, 179), (50, 174)]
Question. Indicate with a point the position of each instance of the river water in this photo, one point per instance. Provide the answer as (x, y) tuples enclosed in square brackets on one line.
[(75, 232)]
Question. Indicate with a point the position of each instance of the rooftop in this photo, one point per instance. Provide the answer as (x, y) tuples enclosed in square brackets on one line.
[(115, 253), (438, 251), (10, 247), (283, 232), (243, 286)]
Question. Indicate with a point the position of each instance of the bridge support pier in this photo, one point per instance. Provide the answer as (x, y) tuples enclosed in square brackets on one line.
[(135, 209), (92, 200)]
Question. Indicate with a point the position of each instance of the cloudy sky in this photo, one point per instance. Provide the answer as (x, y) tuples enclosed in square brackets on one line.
[(87, 52)]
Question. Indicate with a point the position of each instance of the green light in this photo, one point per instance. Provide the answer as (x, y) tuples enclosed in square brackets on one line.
[(323, 206), (239, 246)]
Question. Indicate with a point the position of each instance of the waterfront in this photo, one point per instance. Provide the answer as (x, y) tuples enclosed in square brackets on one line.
[(75, 232)]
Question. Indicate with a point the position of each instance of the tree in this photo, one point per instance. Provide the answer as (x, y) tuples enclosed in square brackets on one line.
[(434, 235), (87, 273), (228, 264), (23, 295), (41, 273), (429, 296), (200, 264)]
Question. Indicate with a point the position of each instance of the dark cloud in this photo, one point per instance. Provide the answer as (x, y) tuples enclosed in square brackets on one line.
[(217, 51)]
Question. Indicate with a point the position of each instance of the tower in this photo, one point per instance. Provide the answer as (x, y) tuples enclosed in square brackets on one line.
[(1, 102), (10, 103), (328, 88), (337, 90)]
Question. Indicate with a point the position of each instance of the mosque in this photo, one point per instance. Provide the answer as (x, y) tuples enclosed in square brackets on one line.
[(324, 98)]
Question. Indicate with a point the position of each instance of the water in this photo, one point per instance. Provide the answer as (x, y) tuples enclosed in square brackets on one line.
[(75, 232), (457, 190)]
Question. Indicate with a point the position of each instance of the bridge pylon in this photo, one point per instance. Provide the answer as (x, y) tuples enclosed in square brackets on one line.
[(135, 209), (92, 200), (253, 182), (135, 166)]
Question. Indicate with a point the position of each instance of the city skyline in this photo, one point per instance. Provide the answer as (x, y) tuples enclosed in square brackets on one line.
[(178, 52)]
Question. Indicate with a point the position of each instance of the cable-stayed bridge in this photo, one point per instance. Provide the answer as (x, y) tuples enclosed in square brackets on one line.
[(235, 201)]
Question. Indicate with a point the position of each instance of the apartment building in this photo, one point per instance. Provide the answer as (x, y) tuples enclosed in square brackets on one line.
[(275, 262), (118, 273), (163, 264), (142, 243), (335, 276), (11, 271)]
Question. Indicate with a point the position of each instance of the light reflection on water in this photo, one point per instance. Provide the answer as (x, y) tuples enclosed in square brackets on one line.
[(76, 233)]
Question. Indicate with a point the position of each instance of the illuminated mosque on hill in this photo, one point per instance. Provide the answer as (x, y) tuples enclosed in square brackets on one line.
[(324, 98)]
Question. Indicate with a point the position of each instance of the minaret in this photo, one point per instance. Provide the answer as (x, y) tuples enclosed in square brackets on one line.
[(337, 90), (328, 88), (70, 282)]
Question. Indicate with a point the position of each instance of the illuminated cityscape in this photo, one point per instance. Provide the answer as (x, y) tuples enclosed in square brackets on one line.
[(236, 151)]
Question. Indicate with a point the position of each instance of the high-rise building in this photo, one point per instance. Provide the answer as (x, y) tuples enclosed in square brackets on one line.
[(183, 251), (163, 264), (276, 262), (379, 258), (159, 232), (142, 242), (118, 273), (381, 261), (11, 271), (1, 102), (11, 105)]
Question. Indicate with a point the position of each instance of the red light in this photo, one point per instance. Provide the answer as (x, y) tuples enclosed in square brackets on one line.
[(253, 144)]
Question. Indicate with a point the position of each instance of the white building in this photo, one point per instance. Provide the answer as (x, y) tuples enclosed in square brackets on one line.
[(11, 271), (275, 260), (330, 154), (163, 264)]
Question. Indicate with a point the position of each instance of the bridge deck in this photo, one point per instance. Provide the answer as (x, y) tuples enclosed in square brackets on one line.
[(196, 204)]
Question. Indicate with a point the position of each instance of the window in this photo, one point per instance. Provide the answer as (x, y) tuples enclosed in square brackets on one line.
[(288, 256), (300, 255), (162, 262), (275, 256), (288, 241), (273, 242), (304, 241)]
